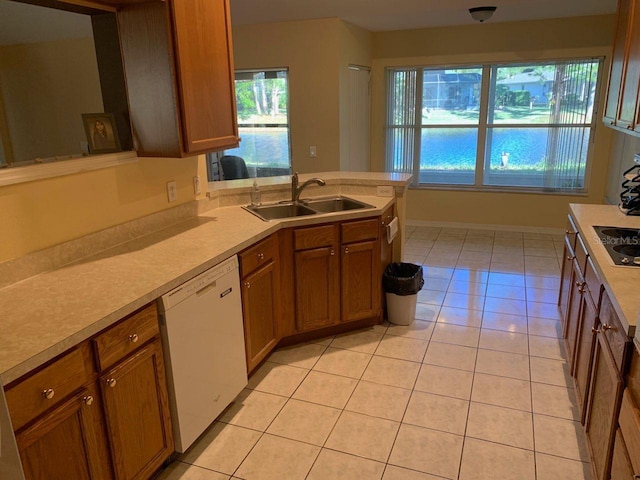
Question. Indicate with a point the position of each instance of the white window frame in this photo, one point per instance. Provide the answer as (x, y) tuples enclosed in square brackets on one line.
[(486, 97)]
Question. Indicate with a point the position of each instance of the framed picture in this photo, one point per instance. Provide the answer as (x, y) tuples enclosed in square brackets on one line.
[(101, 131)]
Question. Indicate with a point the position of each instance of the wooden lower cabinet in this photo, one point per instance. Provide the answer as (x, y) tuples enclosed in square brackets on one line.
[(621, 468), (74, 421), (572, 318), (317, 286), (584, 351), (261, 312), (604, 402), (137, 413), (565, 280), (360, 281), (68, 442)]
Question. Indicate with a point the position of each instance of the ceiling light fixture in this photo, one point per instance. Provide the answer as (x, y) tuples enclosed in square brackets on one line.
[(482, 13)]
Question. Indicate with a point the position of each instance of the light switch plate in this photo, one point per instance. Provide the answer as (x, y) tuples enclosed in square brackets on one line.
[(384, 191), (196, 185), (172, 191)]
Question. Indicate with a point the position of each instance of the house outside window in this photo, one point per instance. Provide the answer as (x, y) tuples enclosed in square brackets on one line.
[(502, 126), (262, 100)]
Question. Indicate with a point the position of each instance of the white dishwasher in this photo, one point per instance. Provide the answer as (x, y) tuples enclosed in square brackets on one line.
[(203, 340)]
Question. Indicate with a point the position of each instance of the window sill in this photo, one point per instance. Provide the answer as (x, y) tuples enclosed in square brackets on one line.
[(40, 171), (494, 189)]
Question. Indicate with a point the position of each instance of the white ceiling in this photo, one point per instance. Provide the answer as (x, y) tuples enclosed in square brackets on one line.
[(381, 15), (22, 23)]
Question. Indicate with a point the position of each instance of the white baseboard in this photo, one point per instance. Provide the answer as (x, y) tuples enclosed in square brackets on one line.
[(478, 226)]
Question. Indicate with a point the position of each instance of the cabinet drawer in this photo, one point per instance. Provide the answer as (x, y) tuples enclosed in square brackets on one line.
[(629, 422), (581, 254), (47, 388), (359, 230), (314, 237), (571, 233), (612, 328), (258, 255), (593, 283), (122, 339)]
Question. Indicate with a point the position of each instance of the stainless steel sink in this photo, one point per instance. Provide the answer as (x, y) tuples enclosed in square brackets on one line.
[(335, 204), (279, 210), (306, 207), (622, 244)]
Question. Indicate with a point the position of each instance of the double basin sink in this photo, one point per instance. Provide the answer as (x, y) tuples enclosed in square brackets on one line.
[(302, 208)]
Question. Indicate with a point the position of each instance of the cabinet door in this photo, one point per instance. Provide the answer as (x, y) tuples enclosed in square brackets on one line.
[(205, 72), (261, 312), (137, 413), (317, 288), (360, 281), (584, 351), (631, 77), (617, 62), (565, 280), (69, 442), (604, 404), (573, 313), (621, 468)]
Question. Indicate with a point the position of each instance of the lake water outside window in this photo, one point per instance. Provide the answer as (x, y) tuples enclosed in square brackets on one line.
[(262, 99), (524, 126)]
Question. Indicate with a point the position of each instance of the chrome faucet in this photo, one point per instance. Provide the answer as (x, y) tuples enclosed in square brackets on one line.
[(296, 191)]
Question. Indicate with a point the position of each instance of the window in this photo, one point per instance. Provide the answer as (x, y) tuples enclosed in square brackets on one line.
[(523, 126), (262, 99)]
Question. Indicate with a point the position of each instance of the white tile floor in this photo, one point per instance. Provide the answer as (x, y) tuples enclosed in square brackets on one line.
[(475, 389)]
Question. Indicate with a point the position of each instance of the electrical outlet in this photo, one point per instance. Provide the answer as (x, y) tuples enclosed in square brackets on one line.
[(384, 191), (312, 151), (172, 191), (196, 185)]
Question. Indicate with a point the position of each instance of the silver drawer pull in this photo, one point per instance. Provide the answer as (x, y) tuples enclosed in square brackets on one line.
[(346, 250), (49, 393), (261, 256), (88, 400), (133, 338), (111, 382), (333, 252), (606, 326)]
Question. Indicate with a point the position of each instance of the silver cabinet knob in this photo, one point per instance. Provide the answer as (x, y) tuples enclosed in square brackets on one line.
[(49, 393), (570, 258), (606, 326), (595, 330), (346, 249), (111, 382), (88, 400), (333, 252), (247, 284), (133, 338), (261, 256)]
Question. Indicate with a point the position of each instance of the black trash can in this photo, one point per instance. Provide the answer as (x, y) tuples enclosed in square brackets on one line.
[(402, 282)]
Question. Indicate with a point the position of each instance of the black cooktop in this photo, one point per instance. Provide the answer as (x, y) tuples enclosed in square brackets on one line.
[(622, 244)]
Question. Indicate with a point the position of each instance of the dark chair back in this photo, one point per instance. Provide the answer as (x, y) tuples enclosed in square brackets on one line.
[(233, 167)]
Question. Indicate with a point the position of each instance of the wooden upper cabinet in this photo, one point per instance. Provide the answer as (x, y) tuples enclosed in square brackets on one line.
[(178, 64), (616, 71), (622, 109), (205, 73)]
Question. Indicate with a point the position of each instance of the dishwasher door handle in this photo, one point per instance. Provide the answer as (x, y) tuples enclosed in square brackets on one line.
[(206, 288)]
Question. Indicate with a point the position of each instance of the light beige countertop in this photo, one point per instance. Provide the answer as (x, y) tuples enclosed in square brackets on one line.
[(44, 315), (622, 282)]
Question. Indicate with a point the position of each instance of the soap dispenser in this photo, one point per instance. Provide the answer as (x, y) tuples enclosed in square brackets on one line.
[(256, 196)]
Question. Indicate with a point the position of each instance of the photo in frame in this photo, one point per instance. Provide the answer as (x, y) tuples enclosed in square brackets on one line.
[(101, 132)]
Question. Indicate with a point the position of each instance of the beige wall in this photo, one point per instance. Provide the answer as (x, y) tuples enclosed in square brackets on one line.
[(311, 51), (40, 214), (45, 89), (518, 41)]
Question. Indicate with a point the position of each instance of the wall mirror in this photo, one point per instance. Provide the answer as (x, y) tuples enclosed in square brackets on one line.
[(57, 62)]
